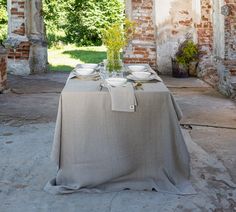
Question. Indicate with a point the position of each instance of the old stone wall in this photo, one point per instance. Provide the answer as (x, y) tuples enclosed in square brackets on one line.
[(3, 68), (142, 49), (174, 20), (26, 37), (216, 39)]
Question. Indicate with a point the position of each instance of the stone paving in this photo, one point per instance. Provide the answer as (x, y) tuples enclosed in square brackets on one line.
[(27, 120)]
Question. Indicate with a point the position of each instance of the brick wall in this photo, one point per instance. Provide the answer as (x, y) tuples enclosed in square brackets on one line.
[(205, 33), (230, 30), (3, 69), (205, 42), (218, 71), (142, 49), (17, 12), (21, 52), (18, 28), (230, 38)]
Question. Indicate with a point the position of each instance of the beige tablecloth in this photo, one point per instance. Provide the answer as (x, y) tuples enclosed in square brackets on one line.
[(97, 149)]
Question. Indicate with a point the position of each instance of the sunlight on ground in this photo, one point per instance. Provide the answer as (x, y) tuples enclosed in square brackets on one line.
[(67, 57)]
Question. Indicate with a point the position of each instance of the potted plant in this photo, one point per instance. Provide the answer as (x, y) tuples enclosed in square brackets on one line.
[(186, 58), (115, 38)]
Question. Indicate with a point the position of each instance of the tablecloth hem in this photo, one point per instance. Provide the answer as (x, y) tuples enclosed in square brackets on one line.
[(52, 188)]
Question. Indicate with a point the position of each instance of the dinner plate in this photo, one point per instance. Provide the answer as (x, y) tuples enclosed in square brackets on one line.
[(84, 71), (137, 68), (115, 81), (142, 75), (87, 65)]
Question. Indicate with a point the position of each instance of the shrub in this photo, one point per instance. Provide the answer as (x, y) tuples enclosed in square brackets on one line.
[(3, 20), (187, 52)]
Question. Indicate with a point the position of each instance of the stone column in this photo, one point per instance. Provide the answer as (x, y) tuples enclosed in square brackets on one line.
[(3, 68), (36, 35), (26, 37), (142, 49)]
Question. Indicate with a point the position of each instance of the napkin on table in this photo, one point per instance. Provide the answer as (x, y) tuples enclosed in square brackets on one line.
[(122, 98)]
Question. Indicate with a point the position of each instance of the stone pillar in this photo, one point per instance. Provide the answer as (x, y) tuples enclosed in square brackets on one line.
[(26, 37), (230, 29), (205, 34), (142, 49), (3, 68)]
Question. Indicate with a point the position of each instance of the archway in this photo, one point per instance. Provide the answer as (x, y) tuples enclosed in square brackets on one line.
[(27, 42)]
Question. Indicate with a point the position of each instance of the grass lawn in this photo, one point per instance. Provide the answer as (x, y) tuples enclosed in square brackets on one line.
[(67, 57)]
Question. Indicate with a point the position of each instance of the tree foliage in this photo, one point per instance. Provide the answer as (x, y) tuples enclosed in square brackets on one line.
[(73, 21), (87, 19), (3, 20), (80, 21)]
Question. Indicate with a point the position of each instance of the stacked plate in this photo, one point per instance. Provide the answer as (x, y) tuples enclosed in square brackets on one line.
[(88, 69), (139, 72)]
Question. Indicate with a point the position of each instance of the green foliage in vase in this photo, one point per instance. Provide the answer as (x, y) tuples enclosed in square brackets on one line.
[(3, 20), (187, 52), (115, 38)]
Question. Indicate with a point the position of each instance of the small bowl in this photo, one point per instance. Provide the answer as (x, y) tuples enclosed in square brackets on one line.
[(116, 81), (137, 68), (141, 74), (84, 71), (88, 65)]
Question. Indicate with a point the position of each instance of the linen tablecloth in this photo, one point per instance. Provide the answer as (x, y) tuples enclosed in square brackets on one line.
[(97, 149)]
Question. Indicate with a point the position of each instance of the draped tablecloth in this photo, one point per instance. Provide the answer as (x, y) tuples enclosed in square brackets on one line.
[(97, 149)]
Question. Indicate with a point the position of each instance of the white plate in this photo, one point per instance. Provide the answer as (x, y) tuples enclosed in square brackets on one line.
[(141, 75), (116, 81), (88, 65), (137, 68), (84, 71)]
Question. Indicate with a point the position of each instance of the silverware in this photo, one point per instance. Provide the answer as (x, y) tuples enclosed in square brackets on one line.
[(138, 85)]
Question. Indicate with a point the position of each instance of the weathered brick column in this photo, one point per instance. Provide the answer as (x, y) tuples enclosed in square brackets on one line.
[(205, 34), (230, 42), (142, 49), (3, 68), (26, 37)]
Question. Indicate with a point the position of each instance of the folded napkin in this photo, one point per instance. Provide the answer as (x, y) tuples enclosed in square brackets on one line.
[(122, 98)]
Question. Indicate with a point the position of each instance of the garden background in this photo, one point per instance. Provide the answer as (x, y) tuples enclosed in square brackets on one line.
[(73, 29)]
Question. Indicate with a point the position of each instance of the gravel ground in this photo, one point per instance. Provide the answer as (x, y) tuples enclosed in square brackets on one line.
[(27, 120)]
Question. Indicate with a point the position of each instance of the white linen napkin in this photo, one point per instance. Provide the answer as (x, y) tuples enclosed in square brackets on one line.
[(122, 98)]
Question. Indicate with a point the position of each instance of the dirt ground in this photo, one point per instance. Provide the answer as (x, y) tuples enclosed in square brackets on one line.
[(27, 120)]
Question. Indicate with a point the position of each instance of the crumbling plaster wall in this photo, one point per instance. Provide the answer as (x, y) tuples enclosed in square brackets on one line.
[(174, 19), (26, 37), (217, 41)]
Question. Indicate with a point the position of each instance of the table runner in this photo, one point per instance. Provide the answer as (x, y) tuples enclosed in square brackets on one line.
[(97, 149)]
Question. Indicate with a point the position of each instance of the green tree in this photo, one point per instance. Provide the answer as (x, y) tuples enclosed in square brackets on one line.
[(87, 19), (55, 18), (3, 20)]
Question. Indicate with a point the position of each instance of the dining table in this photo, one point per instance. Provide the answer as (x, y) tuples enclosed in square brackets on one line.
[(97, 149)]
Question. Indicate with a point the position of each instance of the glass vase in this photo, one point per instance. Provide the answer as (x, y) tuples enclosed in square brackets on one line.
[(114, 63)]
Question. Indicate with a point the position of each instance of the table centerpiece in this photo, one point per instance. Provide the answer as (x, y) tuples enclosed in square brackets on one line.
[(115, 38)]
